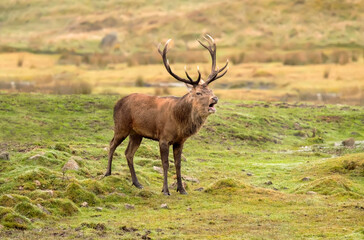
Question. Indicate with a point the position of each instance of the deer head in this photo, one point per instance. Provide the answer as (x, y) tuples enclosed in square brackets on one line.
[(201, 97)]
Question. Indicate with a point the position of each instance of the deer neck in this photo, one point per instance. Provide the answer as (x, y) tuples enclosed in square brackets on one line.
[(189, 119)]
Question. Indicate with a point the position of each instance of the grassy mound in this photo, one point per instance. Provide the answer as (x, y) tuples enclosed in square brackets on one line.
[(10, 200), (29, 210), (330, 185), (61, 207), (225, 186), (78, 194), (14, 220)]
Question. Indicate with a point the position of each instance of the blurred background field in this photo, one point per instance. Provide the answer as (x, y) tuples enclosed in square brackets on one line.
[(279, 50)]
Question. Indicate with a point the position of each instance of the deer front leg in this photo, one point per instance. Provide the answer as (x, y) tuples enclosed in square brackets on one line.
[(164, 150), (177, 152)]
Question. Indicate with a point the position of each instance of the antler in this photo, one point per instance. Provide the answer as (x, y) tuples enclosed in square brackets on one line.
[(214, 71), (166, 64)]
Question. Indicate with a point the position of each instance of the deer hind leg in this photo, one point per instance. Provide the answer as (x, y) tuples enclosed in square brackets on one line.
[(164, 149), (134, 143), (114, 143)]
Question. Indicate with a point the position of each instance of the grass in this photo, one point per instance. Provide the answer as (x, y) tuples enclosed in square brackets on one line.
[(243, 146)]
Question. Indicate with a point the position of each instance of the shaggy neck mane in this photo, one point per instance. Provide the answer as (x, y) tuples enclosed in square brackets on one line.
[(189, 119)]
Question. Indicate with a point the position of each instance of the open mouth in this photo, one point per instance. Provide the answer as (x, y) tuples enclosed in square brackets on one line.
[(212, 109)]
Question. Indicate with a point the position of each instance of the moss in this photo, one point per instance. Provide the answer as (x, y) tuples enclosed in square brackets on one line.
[(43, 194), (60, 206), (78, 194), (223, 185), (328, 186), (94, 186), (29, 210), (145, 194), (62, 147), (4, 211), (10, 200), (14, 220)]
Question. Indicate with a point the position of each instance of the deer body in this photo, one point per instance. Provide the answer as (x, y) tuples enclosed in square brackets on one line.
[(169, 120)]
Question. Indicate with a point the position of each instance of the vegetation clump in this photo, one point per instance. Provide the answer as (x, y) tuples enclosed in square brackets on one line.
[(224, 185), (10, 200), (14, 220), (78, 194), (29, 210), (60, 206)]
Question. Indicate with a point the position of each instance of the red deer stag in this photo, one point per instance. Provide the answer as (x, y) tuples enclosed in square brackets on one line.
[(169, 120)]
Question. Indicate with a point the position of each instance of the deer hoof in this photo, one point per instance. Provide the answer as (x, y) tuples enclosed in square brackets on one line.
[(107, 174), (166, 192), (183, 192), (138, 185)]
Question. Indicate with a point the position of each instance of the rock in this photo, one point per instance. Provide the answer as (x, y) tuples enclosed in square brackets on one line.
[(129, 206), (199, 189), (249, 174), (189, 209), (268, 183), (37, 183), (305, 179), (99, 209), (297, 126), (37, 156), (84, 204), (164, 205), (21, 188), (350, 142), (174, 185), (4, 156), (311, 193), (158, 169), (190, 179), (43, 209), (70, 165)]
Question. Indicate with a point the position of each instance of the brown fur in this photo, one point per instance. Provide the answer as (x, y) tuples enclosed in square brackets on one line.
[(169, 120)]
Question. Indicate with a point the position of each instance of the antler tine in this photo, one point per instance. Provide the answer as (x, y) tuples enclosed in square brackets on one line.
[(168, 67), (214, 69)]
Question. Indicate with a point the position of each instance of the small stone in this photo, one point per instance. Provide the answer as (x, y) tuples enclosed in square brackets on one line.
[(70, 165), (350, 142), (84, 204), (311, 193), (158, 169), (37, 183), (268, 183), (4, 156), (164, 205), (249, 174), (297, 126), (129, 206), (37, 156), (190, 179), (189, 209), (276, 189), (199, 189), (305, 179), (21, 187), (99, 209), (243, 170)]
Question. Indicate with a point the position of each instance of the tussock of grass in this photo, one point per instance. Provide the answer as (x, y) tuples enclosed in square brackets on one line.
[(61, 207), (227, 185), (78, 194), (10, 200), (29, 210), (14, 220), (329, 185)]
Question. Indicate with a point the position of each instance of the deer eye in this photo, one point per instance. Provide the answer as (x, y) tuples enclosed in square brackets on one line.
[(198, 93)]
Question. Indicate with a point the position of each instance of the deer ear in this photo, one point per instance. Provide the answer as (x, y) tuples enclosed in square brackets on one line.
[(189, 87)]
